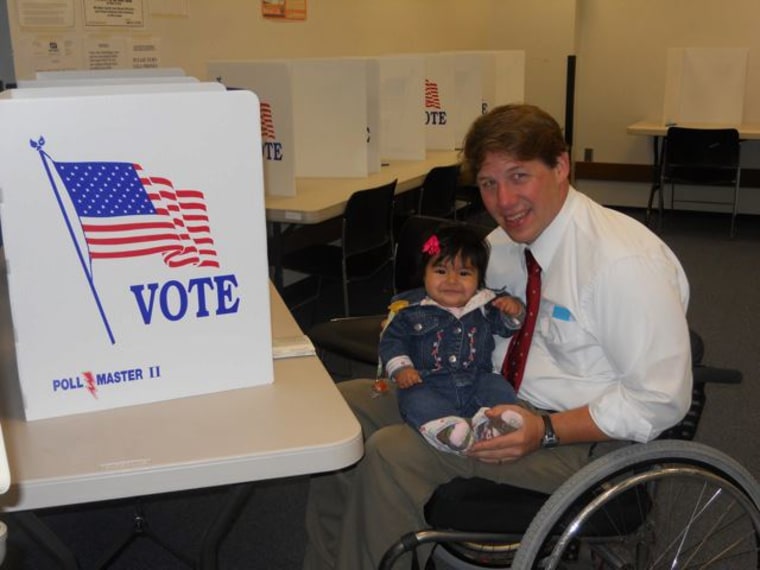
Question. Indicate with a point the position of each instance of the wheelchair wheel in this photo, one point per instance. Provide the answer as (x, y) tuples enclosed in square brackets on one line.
[(666, 504)]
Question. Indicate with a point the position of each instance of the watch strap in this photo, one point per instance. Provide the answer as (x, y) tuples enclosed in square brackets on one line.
[(550, 438)]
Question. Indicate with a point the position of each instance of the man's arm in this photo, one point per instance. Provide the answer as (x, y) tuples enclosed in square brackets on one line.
[(571, 426), (638, 314)]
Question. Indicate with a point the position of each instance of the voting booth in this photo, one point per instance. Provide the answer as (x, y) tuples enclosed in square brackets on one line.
[(271, 81), (335, 126), (503, 77), (462, 85), (402, 107), (135, 245), (705, 85), (324, 113), (440, 101)]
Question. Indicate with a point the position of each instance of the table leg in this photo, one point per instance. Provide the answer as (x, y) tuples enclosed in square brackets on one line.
[(657, 159), (46, 539), (275, 253), (237, 496)]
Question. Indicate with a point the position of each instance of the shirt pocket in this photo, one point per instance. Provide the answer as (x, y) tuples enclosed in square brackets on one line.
[(565, 341)]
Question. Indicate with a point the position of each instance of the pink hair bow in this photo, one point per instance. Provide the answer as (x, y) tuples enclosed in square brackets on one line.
[(432, 246)]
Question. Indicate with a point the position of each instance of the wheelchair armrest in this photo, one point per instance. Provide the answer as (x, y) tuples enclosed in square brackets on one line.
[(704, 374), (355, 338)]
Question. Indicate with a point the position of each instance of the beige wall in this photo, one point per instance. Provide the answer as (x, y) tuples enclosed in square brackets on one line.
[(622, 51), (234, 29), (546, 30)]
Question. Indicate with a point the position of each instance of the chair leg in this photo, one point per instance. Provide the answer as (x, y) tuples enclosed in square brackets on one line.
[(652, 192), (736, 207), (345, 298)]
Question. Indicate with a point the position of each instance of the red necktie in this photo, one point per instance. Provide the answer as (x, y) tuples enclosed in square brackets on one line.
[(517, 355)]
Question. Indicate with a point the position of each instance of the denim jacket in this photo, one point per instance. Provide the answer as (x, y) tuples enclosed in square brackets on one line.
[(433, 340)]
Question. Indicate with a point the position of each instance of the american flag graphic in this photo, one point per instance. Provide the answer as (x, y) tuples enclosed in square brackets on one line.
[(267, 125), (124, 213), (432, 100)]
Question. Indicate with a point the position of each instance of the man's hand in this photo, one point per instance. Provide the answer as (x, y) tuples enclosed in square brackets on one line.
[(407, 377), (512, 445)]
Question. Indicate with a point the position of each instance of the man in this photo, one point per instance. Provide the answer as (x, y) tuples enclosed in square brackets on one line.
[(608, 360)]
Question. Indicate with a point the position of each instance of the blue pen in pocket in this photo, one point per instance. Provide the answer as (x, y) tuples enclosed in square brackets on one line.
[(562, 313)]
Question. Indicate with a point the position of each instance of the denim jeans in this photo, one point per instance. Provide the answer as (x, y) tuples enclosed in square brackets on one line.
[(453, 394)]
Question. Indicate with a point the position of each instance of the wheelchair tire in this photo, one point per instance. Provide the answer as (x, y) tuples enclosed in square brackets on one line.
[(684, 520)]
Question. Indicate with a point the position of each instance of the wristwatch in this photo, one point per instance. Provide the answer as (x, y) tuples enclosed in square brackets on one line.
[(550, 438)]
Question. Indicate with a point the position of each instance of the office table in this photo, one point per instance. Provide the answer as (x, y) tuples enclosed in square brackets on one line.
[(321, 199), (202, 441), (658, 130)]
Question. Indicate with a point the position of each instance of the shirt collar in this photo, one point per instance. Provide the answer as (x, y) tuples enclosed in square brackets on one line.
[(547, 244)]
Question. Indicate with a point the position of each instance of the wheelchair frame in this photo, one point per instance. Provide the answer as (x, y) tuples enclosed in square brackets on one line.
[(721, 485)]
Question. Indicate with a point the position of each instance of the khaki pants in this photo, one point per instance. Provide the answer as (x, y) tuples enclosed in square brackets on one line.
[(354, 515)]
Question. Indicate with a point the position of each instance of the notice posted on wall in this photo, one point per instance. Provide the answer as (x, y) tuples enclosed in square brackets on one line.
[(144, 52), (45, 14), (50, 52), (285, 9), (116, 13), (105, 53)]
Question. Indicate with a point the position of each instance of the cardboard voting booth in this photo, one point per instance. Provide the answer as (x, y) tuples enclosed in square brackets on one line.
[(705, 85), (97, 88), (469, 70), (440, 102), (271, 81), (332, 118), (503, 77), (324, 113), (135, 246), (107, 73), (402, 107), (462, 85)]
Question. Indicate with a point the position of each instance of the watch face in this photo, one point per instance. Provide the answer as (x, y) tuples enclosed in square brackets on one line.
[(550, 438), (550, 441)]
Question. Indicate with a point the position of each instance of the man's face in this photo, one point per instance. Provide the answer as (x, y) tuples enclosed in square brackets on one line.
[(522, 196)]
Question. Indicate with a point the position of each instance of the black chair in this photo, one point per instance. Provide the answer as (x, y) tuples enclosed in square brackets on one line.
[(705, 157), (356, 338), (366, 242), (480, 523), (439, 191)]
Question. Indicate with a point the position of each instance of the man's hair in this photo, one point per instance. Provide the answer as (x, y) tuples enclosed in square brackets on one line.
[(525, 132), (457, 239)]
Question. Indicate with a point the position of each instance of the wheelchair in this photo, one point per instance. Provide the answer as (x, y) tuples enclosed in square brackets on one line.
[(671, 503), (665, 504)]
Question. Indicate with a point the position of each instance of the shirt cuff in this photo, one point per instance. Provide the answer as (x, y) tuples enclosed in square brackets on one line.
[(397, 363)]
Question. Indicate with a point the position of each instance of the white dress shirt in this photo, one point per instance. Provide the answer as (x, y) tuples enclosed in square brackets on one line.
[(611, 330)]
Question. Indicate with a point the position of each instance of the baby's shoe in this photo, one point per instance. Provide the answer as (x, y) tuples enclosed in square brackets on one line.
[(484, 427), (451, 434)]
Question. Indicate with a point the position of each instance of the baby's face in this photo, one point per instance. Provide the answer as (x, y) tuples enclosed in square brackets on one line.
[(450, 283)]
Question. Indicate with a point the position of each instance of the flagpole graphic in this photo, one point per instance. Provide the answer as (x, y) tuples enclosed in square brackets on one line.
[(85, 266), (123, 213)]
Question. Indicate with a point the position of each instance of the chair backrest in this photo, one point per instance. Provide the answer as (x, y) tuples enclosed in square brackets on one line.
[(367, 220), (438, 195), (702, 148), (415, 231)]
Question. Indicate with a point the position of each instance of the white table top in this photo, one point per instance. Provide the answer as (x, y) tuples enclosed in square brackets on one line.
[(228, 437), (658, 129), (320, 199)]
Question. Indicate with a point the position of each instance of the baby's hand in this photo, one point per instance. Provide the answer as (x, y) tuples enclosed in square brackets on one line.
[(508, 305), (407, 377)]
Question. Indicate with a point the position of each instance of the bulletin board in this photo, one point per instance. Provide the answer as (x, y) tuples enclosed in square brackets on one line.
[(87, 34)]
